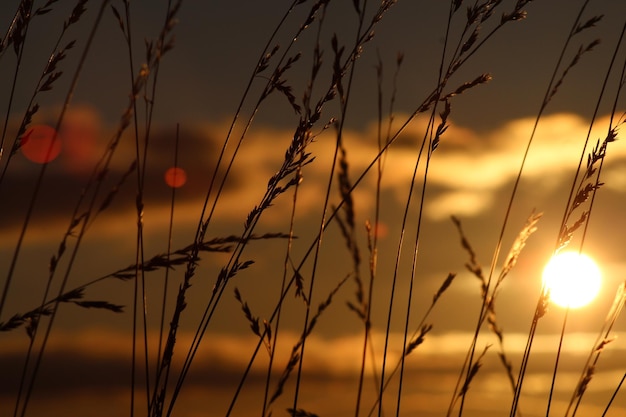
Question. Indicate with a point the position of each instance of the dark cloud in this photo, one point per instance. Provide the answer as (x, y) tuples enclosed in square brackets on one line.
[(460, 183), (64, 185)]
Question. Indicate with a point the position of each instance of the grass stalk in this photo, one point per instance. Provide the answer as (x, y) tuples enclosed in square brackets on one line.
[(167, 366), (205, 219), (38, 360), (344, 100), (576, 200)]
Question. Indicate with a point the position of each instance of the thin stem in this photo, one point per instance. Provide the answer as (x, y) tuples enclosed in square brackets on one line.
[(556, 361), (619, 386), (338, 144), (66, 103)]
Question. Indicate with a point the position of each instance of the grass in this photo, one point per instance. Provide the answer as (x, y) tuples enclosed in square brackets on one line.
[(309, 254)]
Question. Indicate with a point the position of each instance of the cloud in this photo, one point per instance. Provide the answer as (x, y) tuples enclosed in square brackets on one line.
[(470, 174), (465, 173), (460, 203), (97, 360), (469, 168), (333, 357)]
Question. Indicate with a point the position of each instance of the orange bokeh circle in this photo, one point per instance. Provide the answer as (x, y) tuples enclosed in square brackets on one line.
[(41, 144), (175, 177)]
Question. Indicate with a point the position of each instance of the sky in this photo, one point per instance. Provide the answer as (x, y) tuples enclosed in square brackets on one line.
[(471, 175)]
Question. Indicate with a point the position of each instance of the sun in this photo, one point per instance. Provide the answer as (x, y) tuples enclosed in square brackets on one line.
[(573, 279)]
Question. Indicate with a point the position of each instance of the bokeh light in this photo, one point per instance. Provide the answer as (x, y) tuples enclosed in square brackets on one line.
[(41, 144), (175, 177), (80, 132), (382, 229)]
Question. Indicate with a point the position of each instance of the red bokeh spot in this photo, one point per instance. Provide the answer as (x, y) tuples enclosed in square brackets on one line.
[(382, 230), (80, 132), (175, 177), (41, 144)]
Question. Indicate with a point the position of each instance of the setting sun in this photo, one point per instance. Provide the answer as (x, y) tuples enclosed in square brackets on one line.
[(572, 278)]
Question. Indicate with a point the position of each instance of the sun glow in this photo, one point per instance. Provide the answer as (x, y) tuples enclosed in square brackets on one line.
[(573, 279)]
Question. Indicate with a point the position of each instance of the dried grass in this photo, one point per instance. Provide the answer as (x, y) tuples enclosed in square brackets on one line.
[(322, 101)]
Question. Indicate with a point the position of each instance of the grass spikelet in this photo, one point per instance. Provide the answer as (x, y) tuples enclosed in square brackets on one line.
[(295, 356), (444, 286), (48, 76), (582, 50), (416, 341), (294, 359), (18, 320), (77, 12), (300, 413), (345, 187), (582, 386), (348, 230), (470, 41), (324, 305), (567, 232), (299, 284), (17, 31), (120, 21), (472, 265), (473, 372), (543, 305), (442, 127), (489, 293), (591, 22), (618, 301), (516, 15), (105, 305), (278, 83), (264, 61), (520, 241), (604, 339), (31, 326), (252, 320), (46, 8), (600, 347), (481, 79)]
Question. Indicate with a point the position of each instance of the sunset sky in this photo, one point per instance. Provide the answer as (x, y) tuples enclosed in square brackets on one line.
[(471, 176)]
